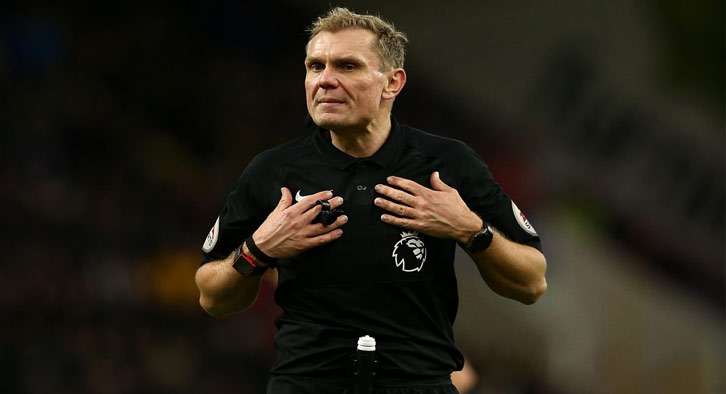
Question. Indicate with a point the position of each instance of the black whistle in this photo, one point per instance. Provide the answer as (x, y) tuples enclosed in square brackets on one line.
[(326, 215)]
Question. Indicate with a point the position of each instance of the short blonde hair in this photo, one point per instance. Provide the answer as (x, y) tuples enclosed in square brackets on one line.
[(390, 45)]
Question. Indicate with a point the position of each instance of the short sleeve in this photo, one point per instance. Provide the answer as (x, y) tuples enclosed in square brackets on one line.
[(487, 199), (243, 212)]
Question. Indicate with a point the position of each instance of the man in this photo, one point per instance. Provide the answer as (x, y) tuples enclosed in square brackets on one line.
[(384, 268)]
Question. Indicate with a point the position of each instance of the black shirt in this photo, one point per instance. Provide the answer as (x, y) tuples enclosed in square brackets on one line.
[(377, 279)]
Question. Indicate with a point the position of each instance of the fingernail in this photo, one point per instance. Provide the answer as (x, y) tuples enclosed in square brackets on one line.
[(377, 201), (437, 174), (329, 194), (389, 179), (344, 218), (377, 188)]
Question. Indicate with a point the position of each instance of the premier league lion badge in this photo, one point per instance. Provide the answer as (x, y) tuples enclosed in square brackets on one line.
[(410, 252)]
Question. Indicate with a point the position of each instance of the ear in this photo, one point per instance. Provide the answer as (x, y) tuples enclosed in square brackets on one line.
[(396, 81)]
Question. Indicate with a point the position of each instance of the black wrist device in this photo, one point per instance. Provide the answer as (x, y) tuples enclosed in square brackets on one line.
[(481, 240), (245, 265), (257, 253)]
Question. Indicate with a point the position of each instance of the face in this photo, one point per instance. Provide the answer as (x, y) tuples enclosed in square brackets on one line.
[(343, 83)]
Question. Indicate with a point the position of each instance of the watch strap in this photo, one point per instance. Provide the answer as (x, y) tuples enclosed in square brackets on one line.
[(260, 255), (480, 241)]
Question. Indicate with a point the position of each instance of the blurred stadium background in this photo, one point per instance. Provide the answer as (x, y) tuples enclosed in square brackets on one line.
[(123, 127)]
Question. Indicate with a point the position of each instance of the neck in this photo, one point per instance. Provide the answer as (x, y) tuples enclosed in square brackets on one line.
[(365, 142)]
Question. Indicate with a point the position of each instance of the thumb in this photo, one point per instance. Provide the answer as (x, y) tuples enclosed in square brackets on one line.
[(285, 199), (437, 183)]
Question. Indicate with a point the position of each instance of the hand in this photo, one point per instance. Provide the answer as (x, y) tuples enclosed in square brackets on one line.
[(438, 212), (288, 230)]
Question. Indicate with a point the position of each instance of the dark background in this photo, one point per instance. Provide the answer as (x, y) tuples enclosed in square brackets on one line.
[(123, 126)]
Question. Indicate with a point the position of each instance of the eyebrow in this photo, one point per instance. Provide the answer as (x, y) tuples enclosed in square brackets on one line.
[(341, 59)]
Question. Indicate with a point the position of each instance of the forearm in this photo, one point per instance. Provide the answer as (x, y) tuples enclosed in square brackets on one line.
[(223, 290), (513, 270)]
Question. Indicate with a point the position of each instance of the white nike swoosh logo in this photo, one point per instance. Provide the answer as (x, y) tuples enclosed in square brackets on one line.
[(299, 197)]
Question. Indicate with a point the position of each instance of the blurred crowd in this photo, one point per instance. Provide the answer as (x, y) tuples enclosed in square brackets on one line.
[(122, 128)]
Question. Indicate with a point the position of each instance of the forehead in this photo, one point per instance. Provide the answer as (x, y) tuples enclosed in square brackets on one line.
[(344, 43)]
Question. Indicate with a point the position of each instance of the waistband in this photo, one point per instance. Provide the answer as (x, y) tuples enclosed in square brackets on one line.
[(382, 382)]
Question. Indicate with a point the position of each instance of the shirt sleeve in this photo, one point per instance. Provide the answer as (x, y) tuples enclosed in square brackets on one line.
[(487, 199), (243, 212)]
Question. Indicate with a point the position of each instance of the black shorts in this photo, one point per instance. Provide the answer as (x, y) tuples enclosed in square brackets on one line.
[(293, 384)]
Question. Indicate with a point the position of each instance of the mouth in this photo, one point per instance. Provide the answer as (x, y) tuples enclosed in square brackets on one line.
[(330, 101)]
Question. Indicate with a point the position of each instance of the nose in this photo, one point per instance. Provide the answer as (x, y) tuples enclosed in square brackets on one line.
[(328, 78)]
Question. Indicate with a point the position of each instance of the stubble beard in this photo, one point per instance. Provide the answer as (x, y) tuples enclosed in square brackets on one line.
[(339, 123)]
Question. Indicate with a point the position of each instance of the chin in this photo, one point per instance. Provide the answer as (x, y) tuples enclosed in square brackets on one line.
[(330, 121)]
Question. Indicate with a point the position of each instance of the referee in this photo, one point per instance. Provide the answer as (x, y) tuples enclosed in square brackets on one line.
[(361, 217)]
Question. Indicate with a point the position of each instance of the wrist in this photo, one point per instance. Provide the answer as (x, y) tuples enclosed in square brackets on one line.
[(247, 252), (245, 264), (257, 253), (480, 241), (475, 225)]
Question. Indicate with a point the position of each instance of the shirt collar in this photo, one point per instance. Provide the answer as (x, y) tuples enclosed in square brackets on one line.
[(383, 157)]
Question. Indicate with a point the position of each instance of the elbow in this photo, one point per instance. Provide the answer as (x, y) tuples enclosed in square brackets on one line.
[(534, 293), (210, 307), (538, 287), (219, 309), (214, 309)]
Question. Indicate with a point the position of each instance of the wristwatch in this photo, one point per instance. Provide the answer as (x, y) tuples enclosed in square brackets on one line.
[(245, 265), (481, 240)]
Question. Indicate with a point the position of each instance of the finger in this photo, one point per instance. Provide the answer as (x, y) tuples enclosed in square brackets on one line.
[(319, 228), (309, 215), (437, 183), (335, 202), (285, 199), (310, 201), (325, 238), (405, 184), (396, 194), (399, 222), (398, 209)]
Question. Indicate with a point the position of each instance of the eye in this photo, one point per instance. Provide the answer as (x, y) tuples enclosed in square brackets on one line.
[(349, 66), (316, 67)]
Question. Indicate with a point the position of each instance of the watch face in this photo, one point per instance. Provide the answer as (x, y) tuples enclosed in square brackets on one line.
[(244, 267), (481, 240)]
